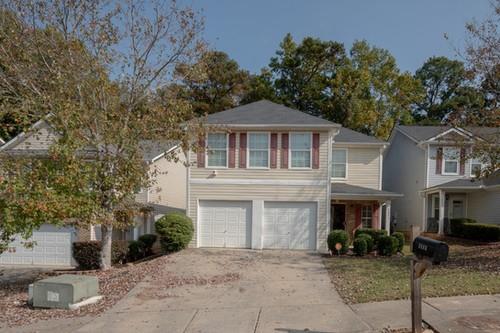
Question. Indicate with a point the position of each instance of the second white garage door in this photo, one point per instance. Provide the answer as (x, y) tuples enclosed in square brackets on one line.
[(289, 225), (225, 223)]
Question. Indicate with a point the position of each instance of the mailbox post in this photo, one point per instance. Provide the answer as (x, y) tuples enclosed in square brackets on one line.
[(427, 252)]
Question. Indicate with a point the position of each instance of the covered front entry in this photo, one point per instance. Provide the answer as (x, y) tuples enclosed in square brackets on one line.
[(225, 223), (355, 207), (289, 225)]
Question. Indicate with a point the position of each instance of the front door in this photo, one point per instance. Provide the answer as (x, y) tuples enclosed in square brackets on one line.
[(457, 208), (338, 216)]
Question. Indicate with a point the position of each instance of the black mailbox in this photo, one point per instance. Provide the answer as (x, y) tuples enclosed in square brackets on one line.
[(431, 249)]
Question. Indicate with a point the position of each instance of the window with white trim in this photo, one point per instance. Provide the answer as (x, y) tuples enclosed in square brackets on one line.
[(339, 163), (366, 216), (217, 150), (451, 160), (300, 150), (476, 166), (258, 150)]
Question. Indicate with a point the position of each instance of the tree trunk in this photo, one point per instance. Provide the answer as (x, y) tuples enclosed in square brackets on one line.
[(106, 238)]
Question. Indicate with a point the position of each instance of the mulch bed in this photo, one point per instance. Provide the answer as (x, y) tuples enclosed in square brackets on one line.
[(114, 284)]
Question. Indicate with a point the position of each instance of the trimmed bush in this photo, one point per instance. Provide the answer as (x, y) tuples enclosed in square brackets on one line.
[(135, 250), (119, 252), (401, 240), (175, 230), (338, 236), (360, 246), (374, 233), (388, 245), (470, 229), (87, 254), (148, 241), (369, 242)]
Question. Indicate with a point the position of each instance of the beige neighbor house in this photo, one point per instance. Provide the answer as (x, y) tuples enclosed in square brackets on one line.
[(428, 165), (53, 244), (277, 178)]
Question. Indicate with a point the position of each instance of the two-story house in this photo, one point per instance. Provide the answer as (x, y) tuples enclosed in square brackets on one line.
[(274, 177), (429, 165)]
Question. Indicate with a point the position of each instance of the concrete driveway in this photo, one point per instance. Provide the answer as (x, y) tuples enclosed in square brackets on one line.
[(203, 290)]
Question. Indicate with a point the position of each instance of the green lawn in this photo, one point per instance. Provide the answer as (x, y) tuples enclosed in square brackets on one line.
[(472, 269)]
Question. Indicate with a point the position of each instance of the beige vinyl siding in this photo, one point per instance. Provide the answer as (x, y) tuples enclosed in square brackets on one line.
[(484, 206), (169, 187), (265, 193), (278, 173), (363, 166), (41, 138)]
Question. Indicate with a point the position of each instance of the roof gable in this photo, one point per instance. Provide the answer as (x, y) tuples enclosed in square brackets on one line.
[(266, 113), (440, 133)]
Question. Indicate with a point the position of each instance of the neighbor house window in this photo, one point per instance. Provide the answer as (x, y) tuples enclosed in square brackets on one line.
[(339, 163), (451, 158), (258, 150), (366, 216), (476, 167), (300, 150), (217, 150)]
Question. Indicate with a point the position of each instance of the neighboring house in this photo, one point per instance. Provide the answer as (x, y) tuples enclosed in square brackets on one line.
[(428, 165), (168, 193), (264, 180)]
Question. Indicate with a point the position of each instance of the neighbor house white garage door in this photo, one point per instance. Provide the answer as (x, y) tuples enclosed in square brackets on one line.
[(52, 248), (225, 223), (289, 225)]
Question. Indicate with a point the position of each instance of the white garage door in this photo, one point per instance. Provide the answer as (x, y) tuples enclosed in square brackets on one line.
[(289, 225), (225, 224), (52, 248)]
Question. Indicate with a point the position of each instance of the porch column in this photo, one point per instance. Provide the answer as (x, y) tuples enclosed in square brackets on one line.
[(136, 232), (441, 212), (388, 216)]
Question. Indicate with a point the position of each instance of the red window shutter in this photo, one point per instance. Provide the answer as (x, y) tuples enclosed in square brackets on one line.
[(201, 153), (357, 216), (284, 150), (439, 160), (462, 161), (315, 151), (243, 150), (232, 150), (274, 148), (375, 212)]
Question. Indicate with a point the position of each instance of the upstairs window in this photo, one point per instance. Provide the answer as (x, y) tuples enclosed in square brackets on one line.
[(339, 164), (217, 150), (476, 166), (258, 150), (451, 160), (300, 150), (366, 216)]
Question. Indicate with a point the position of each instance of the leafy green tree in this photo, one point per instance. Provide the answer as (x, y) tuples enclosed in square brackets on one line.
[(96, 83), (448, 89), (260, 87), (221, 86)]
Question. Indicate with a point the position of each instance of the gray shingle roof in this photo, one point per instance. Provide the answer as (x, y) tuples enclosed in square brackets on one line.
[(152, 149), (358, 191), (492, 180), (422, 133), (266, 113), (347, 135)]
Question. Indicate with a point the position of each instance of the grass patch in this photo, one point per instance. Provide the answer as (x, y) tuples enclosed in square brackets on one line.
[(472, 269)]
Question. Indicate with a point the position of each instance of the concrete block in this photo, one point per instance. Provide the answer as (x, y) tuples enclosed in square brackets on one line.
[(63, 290)]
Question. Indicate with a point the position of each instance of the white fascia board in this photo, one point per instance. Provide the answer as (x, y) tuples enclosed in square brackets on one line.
[(156, 158)]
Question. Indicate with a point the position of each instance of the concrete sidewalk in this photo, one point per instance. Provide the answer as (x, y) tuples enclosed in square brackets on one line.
[(461, 314)]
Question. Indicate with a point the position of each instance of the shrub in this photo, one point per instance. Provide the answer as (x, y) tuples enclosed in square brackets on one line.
[(135, 250), (401, 240), (87, 254), (369, 242), (374, 233), (119, 251), (360, 246), (338, 236), (148, 241), (387, 245), (467, 228), (175, 230)]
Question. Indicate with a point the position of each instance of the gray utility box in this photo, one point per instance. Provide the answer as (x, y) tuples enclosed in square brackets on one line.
[(63, 290)]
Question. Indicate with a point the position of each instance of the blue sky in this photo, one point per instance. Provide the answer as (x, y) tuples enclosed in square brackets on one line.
[(251, 30)]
